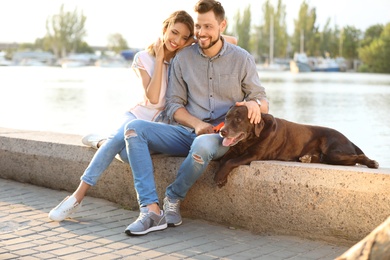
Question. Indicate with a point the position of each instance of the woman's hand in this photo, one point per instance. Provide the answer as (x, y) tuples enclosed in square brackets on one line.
[(159, 48)]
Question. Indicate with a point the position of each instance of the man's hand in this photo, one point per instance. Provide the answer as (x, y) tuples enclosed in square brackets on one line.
[(254, 113), (204, 128)]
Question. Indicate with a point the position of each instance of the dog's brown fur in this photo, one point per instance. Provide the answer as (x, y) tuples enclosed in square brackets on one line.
[(279, 139)]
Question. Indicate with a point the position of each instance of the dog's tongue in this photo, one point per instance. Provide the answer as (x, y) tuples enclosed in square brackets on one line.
[(227, 141)]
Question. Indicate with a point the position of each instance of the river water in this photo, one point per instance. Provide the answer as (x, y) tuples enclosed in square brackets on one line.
[(92, 99)]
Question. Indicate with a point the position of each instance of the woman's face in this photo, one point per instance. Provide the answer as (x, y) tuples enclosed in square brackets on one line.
[(176, 36)]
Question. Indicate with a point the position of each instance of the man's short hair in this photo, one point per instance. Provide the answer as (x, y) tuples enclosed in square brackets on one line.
[(204, 6)]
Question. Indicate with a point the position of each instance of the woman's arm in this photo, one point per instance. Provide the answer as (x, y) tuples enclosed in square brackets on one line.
[(230, 39), (152, 85)]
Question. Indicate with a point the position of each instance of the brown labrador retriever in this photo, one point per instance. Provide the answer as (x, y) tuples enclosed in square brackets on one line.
[(279, 139)]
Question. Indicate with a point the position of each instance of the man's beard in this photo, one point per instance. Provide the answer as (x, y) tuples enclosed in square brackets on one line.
[(212, 43)]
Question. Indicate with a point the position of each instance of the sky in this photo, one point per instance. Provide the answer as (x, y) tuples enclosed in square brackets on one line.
[(139, 22)]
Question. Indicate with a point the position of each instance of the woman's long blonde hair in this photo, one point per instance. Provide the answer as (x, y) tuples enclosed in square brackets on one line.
[(175, 17)]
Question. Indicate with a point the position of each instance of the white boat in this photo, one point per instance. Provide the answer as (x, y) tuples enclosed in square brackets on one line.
[(68, 63), (33, 58), (112, 62), (325, 64), (272, 67), (31, 62), (272, 64), (77, 60), (300, 63), (4, 61)]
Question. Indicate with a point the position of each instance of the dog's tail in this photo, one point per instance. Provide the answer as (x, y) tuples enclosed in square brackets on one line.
[(364, 160), (357, 149)]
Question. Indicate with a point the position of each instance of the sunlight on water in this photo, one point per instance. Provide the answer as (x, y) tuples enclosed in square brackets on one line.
[(65, 100), (92, 99)]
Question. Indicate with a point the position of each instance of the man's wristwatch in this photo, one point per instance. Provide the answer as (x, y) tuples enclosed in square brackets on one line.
[(256, 100)]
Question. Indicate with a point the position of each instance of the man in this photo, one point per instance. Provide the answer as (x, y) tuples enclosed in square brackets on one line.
[(206, 79)]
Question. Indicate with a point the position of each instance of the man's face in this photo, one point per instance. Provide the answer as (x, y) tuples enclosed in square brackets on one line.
[(208, 30)]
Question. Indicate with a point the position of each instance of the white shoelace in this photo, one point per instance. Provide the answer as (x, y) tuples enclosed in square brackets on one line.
[(173, 206), (142, 216)]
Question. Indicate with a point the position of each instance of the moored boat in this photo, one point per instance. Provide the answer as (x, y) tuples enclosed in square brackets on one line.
[(325, 65), (300, 63)]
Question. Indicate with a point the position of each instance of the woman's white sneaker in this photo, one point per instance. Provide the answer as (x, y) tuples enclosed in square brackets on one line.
[(67, 207), (92, 140)]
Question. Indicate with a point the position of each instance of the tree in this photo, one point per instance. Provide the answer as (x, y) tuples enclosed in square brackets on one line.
[(117, 43), (306, 37), (350, 42), (261, 38), (372, 33), (326, 42), (275, 21), (65, 31), (280, 31), (83, 47), (42, 44), (242, 27), (375, 55)]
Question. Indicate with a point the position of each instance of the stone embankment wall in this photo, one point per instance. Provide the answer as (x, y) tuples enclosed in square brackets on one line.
[(331, 203)]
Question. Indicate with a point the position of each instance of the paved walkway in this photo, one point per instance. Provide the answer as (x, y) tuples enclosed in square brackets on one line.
[(96, 232)]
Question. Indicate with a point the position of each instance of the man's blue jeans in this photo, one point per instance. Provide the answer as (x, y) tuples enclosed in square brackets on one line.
[(115, 144), (142, 136)]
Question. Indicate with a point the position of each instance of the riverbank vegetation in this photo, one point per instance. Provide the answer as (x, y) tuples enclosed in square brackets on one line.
[(371, 48), (65, 33)]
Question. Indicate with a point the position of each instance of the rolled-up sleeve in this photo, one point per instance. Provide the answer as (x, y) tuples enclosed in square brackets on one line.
[(251, 84), (177, 90)]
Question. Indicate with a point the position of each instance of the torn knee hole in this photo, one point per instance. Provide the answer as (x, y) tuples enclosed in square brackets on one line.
[(198, 159), (130, 133)]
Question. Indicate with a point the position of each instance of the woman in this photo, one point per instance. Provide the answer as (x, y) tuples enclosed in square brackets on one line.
[(151, 67)]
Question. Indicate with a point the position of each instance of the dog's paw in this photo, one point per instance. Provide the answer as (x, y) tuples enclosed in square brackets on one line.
[(221, 183), (373, 164), (305, 159)]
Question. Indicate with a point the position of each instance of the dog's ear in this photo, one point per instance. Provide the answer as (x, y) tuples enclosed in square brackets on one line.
[(259, 127), (266, 121)]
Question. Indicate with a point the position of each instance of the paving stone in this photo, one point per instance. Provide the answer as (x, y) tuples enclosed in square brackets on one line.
[(97, 232)]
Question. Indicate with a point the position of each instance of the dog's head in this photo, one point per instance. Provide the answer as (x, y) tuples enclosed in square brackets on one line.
[(238, 127)]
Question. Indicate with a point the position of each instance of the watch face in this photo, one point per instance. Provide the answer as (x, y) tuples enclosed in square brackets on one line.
[(256, 100)]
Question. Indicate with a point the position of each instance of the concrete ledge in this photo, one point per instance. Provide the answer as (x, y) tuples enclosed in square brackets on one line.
[(330, 203)]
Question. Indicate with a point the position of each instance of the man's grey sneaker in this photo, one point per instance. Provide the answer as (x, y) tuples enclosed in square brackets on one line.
[(147, 221), (92, 140), (67, 207), (172, 212)]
